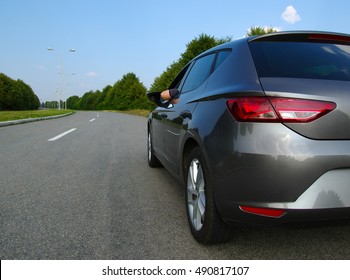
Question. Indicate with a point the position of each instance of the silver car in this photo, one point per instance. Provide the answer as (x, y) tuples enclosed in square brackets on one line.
[(261, 132)]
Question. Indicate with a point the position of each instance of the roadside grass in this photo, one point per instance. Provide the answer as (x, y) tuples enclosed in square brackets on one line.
[(137, 112), (19, 115)]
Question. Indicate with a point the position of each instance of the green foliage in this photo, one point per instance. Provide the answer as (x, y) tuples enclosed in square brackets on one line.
[(193, 49), (89, 100), (258, 30), (198, 45), (126, 94), (19, 115), (16, 95), (72, 102)]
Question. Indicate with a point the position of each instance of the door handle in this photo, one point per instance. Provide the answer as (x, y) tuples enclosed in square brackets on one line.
[(186, 114)]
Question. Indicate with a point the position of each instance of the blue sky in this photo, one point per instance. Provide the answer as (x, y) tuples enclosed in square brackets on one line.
[(114, 37)]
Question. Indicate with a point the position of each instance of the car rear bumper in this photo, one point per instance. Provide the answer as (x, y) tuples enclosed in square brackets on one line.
[(291, 216), (327, 199), (331, 190), (270, 166)]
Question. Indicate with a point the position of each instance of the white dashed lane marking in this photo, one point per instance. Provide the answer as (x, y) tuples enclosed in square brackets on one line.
[(61, 135)]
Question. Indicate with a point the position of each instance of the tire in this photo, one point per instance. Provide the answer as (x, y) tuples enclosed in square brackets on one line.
[(152, 159), (203, 218)]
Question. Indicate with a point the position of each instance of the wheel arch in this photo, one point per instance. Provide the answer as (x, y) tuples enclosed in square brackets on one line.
[(191, 141), (216, 230), (189, 145)]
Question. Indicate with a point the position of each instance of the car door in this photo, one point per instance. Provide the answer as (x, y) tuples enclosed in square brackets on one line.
[(158, 132), (159, 118), (177, 117)]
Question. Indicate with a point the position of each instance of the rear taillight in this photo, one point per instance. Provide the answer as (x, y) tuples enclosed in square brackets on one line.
[(276, 109), (267, 212), (252, 109), (301, 110)]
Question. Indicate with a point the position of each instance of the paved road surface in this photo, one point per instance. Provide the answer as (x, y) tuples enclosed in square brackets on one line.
[(89, 194)]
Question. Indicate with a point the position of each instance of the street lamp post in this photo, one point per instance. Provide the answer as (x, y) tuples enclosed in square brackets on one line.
[(60, 77)]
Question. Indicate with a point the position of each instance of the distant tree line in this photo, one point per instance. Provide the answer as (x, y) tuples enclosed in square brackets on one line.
[(126, 94), (53, 104), (16, 95)]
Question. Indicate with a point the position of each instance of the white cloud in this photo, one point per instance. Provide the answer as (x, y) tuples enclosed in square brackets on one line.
[(290, 15), (91, 74)]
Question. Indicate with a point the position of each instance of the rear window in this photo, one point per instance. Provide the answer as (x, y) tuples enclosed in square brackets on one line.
[(307, 60)]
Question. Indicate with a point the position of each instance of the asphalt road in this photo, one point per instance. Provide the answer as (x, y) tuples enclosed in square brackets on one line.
[(91, 195)]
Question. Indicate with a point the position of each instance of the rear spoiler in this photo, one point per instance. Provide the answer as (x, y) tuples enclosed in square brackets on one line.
[(303, 36)]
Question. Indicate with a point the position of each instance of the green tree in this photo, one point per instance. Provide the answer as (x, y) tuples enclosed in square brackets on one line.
[(6, 86), (27, 100), (101, 102), (72, 102), (195, 47), (258, 30), (128, 93), (51, 104), (109, 97), (16, 95), (88, 101)]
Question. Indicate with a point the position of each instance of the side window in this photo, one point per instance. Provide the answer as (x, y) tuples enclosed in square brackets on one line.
[(199, 73), (221, 57), (178, 79)]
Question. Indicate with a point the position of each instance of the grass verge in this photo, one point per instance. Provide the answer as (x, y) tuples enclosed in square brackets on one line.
[(19, 115), (137, 112)]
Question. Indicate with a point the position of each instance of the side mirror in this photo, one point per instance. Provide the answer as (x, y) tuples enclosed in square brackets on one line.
[(154, 97)]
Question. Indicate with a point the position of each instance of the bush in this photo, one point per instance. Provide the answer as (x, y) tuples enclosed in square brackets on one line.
[(16, 95)]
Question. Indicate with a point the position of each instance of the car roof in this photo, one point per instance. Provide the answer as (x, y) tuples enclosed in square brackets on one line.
[(287, 36)]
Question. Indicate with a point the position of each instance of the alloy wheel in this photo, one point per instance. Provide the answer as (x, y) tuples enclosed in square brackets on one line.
[(149, 147), (196, 194)]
